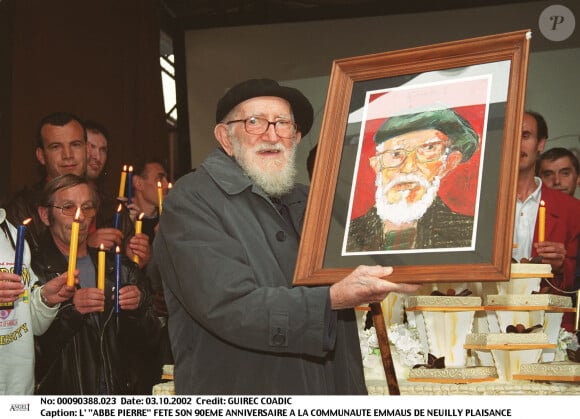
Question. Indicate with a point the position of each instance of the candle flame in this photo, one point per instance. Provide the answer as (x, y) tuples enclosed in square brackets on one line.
[(169, 185), (102, 246), (26, 221), (120, 207), (78, 214), (117, 249), (130, 168), (159, 184), (542, 203), (141, 216)]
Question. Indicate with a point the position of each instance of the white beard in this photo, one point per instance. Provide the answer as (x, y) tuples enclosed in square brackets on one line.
[(278, 177), (403, 212)]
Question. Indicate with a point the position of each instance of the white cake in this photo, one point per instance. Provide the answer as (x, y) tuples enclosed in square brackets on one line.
[(442, 302), (551, 371), (532, 269), (508, 339), (532, 300), (453, 375)]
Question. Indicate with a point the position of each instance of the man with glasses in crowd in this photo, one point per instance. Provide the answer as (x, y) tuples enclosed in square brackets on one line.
[(90, 348), (226, 249), (413, 153)]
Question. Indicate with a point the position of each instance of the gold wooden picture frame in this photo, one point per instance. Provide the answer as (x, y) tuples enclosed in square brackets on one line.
[(502, 60)]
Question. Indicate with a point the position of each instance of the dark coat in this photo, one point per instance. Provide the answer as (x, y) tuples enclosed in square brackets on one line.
[(237, 326), (95, 353)]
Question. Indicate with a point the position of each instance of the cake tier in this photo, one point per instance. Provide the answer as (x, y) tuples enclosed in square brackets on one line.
[(442, 303), (167, 372), (506, 340), (551, 371), (492, 388), (528, 300), (164, 389), (453, 375), (523, 270)]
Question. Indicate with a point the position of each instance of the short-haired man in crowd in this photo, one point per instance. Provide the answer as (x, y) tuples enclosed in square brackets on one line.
[(102, 230), (559, 169), (60, 149), (562, 227), (89, 349)]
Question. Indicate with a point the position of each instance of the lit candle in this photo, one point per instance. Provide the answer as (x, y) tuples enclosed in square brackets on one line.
[(72, 254), (160, 196), (138, 229), (101, 268), (21, 230), (117, 278), (117, 221), (122, 182), (169, 185), (130, 185), (542, 222)]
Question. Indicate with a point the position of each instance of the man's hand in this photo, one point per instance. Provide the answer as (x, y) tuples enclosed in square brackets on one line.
[(56, 291), (365, 285), (553, 253), (89, 300), (134, 211), (10, 287), (139, 246), (109, 237), (129, 297)]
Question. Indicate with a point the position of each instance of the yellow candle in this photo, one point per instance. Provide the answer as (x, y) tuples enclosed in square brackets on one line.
[(138, 229), (123, 181), (72, 254), (160, 196), (101, 268), (542, 222)]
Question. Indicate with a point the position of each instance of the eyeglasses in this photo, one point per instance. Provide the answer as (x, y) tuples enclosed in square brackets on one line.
[(71, 210), (258, 126), (424, 153)]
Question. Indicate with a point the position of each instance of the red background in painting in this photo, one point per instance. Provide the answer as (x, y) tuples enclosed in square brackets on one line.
[(458, 188)]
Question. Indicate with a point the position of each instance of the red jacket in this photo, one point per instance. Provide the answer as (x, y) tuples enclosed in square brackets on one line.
[(562, 226)]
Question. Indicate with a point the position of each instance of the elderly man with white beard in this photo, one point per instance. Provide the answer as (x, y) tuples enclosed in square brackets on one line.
[(413, 153), (226, 249)]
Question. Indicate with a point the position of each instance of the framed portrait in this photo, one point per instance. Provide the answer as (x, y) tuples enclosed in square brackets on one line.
[(417, 162)]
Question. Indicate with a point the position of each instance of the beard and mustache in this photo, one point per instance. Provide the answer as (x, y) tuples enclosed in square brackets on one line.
[(276, 176), (402, 212)]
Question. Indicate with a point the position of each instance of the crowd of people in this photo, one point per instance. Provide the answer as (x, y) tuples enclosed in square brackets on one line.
[(207, 282)]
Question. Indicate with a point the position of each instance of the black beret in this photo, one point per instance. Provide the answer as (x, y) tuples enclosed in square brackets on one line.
[(301, 107), (449, 122)]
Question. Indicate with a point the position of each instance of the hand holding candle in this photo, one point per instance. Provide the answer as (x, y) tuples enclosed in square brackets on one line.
[(72, 254), (542, 222), (138, 230), (123, 181)]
